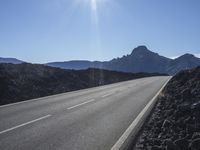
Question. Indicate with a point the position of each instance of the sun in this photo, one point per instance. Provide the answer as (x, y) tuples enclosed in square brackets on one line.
[(93, 4)]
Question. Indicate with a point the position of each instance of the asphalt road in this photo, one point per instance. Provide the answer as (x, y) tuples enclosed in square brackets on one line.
[(91, 119)]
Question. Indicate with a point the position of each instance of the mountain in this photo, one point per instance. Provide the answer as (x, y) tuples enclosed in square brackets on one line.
[(10, 60), (183, 62), (25, 81), (76, 64), (140, 60)]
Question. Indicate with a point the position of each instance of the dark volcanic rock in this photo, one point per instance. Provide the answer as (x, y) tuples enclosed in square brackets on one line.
[(175, 120), (171, 145), (182, 143), (195, 144), (26, 81), (157, 148)]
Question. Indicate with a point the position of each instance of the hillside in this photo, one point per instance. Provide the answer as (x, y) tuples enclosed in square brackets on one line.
[(174, 123), (26, 81)]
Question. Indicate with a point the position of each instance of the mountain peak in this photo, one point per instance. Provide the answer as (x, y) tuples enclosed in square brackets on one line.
[(142, 47), (186, 56), (141, 50)]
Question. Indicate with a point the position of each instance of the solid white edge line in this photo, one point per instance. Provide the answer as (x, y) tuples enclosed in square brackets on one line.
[(137, 123), (81, 104), (24, 124)]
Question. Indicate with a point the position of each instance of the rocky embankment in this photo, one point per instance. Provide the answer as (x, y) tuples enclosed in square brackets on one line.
[(25, 81), (175, 121)]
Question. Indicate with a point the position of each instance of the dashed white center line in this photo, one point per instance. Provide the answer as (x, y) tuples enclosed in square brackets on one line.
[(24, 124), (107, 95), (81, 104)]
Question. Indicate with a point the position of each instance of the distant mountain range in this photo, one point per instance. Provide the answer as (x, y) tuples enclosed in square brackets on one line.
[(10, 60), (140, 60)]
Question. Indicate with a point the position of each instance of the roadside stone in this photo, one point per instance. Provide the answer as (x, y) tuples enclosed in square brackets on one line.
[(171, 145), (182, 144), (157, 148), (187, 120), (191, 128), (186, 93), (157, 142), (196, 106), (139, 146), (184, 107), (196, 135), (166, 124), (195, 144)]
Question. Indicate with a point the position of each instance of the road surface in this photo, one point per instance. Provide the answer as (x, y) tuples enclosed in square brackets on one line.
[(90, 119)]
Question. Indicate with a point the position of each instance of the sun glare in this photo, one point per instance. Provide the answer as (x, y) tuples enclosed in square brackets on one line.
[(94, 5)]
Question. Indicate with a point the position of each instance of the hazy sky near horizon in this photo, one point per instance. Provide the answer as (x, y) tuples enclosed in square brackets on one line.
[(60, 30)]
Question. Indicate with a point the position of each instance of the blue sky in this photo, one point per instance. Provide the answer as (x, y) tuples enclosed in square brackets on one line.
[(60, 30)]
